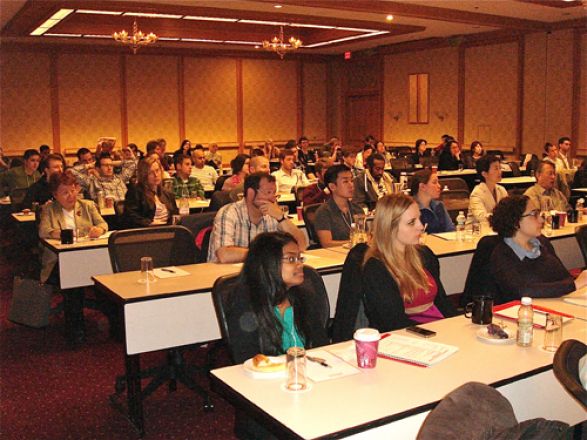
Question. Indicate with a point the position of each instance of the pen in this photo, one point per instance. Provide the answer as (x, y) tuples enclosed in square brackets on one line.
[(168, 270), (319, 361)]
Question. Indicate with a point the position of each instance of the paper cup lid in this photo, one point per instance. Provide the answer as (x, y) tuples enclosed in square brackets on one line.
[(367, 335)]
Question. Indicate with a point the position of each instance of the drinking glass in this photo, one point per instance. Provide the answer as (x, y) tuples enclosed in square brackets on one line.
[(296, 369), (147, 275), (553, 332), (285, 210), (81, 234)]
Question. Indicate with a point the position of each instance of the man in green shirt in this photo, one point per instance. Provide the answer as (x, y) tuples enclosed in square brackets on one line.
[(183, 168), (22, 176)]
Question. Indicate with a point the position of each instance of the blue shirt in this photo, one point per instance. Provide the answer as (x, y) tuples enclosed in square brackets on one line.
[(436, 217), (522, 253), (290, 336)]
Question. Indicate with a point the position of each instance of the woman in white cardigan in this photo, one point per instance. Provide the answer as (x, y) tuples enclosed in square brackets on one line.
[(488, 193)]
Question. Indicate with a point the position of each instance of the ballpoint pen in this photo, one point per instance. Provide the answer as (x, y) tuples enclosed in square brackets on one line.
[(167, 270), (319, 361)]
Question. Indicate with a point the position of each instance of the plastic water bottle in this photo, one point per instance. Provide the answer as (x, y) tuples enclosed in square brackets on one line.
[(403, 180), (101, 200), (579, 207), (461, 226), (184, 202), (477, 232), (525, 323), (469, 226)]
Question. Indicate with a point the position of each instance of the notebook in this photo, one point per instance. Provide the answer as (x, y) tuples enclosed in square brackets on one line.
[(414, 350)]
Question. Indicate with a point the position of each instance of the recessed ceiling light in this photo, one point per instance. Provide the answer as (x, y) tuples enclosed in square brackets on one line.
[(340, 40), (61, 14), (202, 18), (96, 36), (262, 22), (389, 17), (93, 11), (277, 6), (251, 43), (168, 38), (341, 28), (64, 35), (315, 26), (201, 40), (152, 15)]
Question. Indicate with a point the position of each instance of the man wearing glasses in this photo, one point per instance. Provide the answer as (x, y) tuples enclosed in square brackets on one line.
[(237, 224), (373, 183)]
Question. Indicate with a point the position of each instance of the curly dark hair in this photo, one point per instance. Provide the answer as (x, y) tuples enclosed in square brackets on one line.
[(508, 214)]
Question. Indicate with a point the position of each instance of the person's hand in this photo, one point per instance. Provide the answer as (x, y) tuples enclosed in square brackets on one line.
[(93, 172), (272, 210), (581, 280), (95, 232)]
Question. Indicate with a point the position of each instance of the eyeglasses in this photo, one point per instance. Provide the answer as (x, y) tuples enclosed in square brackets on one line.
[(292, 260), (534, 213)]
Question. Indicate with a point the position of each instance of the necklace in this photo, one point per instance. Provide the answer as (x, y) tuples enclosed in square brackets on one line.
[(348, 224)]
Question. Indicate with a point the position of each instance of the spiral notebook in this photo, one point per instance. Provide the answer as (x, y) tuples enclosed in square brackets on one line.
[(414, 351)]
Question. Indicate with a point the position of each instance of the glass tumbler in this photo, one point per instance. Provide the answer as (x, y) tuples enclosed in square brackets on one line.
[(296, 369)]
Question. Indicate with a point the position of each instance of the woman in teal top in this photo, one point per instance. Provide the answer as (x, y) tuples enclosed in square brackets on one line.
[(271, 310)]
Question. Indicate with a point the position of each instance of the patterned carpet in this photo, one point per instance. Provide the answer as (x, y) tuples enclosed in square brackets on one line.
[(50, 391)]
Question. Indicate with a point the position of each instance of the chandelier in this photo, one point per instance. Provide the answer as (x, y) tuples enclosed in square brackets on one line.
[(136, 40), (280, 46)]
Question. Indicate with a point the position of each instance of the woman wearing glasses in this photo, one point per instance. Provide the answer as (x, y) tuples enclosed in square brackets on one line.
[(401, 279), (524, 262)]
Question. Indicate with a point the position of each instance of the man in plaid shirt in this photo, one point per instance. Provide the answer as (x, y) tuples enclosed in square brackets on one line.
[(237, 224), (182, 179)]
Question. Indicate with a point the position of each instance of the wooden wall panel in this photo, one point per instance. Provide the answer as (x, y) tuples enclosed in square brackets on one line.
[(582, 141), (152, 98), (269, 100), (89, 99), (314, 103), (442, 65), (210, 100), (25, 101), (491, 95)]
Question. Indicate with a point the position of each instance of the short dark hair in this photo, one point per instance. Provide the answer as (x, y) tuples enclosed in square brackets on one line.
[(82, 151), (253, 180), (179, 158), (44, 148), (257, 152), (418, 142), (474, 144), (564, 139), (55, 156), (102, 156), (484, 163), (290, 144), (547, 146), (347, 151), (507, 215), (58, 179), (286, 152), (422, 176), (303, 138), (323, 162), (332, 173), (542, 164), (30, 153), (152, 145), (375, 156)]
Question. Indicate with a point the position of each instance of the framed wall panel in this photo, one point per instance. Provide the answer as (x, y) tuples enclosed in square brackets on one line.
[(419, 99), (314, 101)]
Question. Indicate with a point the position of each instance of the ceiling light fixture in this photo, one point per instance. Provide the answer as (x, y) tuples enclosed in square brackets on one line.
[(96, 12), (136, 39), (278, 45), (51, 21), (389, 17), (152, 15), (202, 18)]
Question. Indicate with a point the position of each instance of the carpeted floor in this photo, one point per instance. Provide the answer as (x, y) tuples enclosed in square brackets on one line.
[(50, 391)]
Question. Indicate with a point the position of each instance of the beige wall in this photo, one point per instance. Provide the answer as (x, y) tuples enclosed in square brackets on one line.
[(582, 142), (314, 105)]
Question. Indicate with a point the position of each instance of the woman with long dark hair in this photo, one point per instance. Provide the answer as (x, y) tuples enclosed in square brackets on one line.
[(240, 170), (271, 312)]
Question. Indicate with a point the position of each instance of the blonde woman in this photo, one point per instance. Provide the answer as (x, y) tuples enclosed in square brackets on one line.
[(401, 278)]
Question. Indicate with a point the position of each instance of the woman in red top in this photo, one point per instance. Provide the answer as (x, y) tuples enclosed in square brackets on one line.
[(401, 279)]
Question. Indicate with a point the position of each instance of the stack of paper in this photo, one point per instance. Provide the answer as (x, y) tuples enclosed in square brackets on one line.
[(414, 351)]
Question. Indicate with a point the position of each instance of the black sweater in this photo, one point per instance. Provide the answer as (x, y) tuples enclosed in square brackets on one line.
[(383, 301), (138, 212)]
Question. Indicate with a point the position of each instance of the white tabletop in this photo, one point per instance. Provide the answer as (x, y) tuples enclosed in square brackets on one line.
[(521, 180), (457, 173)]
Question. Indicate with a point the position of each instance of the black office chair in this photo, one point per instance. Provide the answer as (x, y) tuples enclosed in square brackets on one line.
[(309, 216), (515, 167), (581, 236), (220, 182), (479, 279), (168, 246), (566, 368), (201, 226), (219, 199), (454, 183)]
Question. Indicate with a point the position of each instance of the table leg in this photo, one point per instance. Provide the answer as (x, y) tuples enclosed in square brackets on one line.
[(73, 309), (133, 392)]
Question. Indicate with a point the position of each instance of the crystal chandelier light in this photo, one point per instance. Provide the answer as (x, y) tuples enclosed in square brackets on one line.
[(136, 39), (280, 46)]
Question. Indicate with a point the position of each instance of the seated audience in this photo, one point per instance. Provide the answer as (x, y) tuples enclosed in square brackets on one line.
[(421, 153), (213, 157), (363, 155), (258, 164), (22, 176), (85, 161), (184, 149), (305, 154), (318, 192), (45, 151), (271, 151), (183, 182), (401, 279), (349, 158), (525, 263), (425, 189), (40, 192), (204, 173), (334, 218), (544, 193), (373, 183), (287, 177), (240, 170), (450, 158), (470, 159), (67, 212), (488, 193), (380, 149), (551, 153), (147, 203), (237, 224), (552, 156)]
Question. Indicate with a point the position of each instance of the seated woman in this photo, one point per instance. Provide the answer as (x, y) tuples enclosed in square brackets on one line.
[(421, 153), (488, 193), (425, 189), (524, 262), (67, 212), (240, 170), (147, 203), (474, 155), (270, 312), (450, 158), (401, 279)]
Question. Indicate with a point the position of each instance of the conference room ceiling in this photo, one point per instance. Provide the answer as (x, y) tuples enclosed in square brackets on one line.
[(324, 26)]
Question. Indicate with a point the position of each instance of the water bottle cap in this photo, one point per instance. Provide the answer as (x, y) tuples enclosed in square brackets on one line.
[(526, 301)]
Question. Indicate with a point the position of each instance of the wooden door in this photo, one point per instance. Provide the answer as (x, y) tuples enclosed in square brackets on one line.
[(362, 117)]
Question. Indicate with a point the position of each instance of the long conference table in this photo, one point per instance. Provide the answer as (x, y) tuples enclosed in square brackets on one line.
[(174, 312)]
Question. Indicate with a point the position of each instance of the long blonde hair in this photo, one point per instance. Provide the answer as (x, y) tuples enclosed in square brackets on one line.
[(143, 170), (406, 268)]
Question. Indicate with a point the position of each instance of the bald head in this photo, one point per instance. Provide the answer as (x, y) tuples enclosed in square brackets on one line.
[(259, 164)]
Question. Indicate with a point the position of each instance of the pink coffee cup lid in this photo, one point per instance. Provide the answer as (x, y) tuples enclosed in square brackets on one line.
[(367, 335)]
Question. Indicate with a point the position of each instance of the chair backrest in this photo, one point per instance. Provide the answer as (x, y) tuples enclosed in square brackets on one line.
[(515, 166), (200, 226), (299, 194), (220, 182), (17, 196), (455, 201), (581, 236), (167, 245), (219, 199), (566, 368), (313, 282), (454, 183), (479, 279), (497, 153), (350, 309), (400, 164), (309, 215)]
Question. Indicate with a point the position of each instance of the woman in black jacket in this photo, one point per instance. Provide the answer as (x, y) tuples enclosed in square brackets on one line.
[(147, 203), (402, 284)]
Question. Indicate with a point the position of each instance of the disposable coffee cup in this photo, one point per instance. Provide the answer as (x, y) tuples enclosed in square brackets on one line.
[(109, 202), (367, 345), (67, 236)]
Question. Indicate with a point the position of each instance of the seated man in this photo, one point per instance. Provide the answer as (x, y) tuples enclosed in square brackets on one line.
[(22, 176), (183, 181), (257, 164), (103, 179), (334, 218), (349, 158), (543, 193), (204, 173), (287, 177), (318, 192), (213, 157), (85, 161), (237, 224), (39, 192), (372, 183)]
